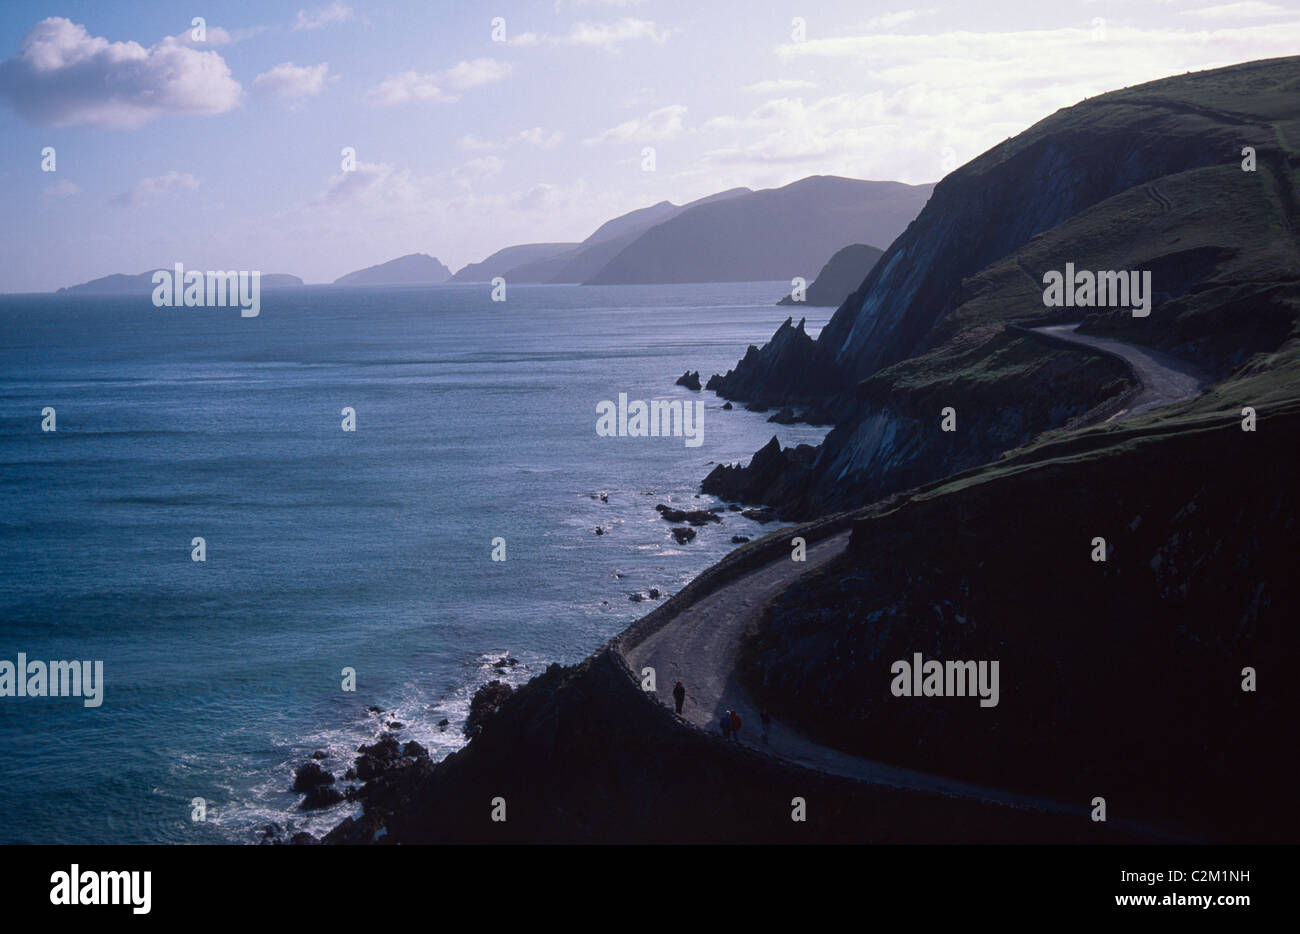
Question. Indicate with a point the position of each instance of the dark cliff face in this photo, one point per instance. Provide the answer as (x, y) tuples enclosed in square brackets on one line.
[(1120, 678), (1142, 179)]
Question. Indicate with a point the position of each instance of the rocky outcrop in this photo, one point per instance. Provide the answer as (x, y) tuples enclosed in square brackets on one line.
[(790, 368), (693, 516), (773, 474), (487, 700), (689, 380)]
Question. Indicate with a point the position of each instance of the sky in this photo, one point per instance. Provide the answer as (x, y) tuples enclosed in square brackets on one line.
[(475, 126)]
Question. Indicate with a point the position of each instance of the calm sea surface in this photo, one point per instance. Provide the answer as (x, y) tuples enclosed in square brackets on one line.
[(328, 549)]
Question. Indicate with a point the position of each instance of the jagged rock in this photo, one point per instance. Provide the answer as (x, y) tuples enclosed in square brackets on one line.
[(505, 662), (350, 774), (443, 723), (683, 535), (693, 516), (599, 530), (761, 516), (395, 725), (321, 796), (309, 775), (635, 597), (790, 368), (784, 417), (772, 473), (738, 539), (414, 750), (727, 406), (689, 380), (487, 700), (320, 754), (654, 593), (378, 757)]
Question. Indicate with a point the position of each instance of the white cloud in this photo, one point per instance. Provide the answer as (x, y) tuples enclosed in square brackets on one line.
[(478, 169), (413, 86), (609, 36), (662, 124), (536, 136), (1249, 9), (890, 20), (464, 75), (60, 189), (336, 12), (144, 190), (776, 85), (289, 82), (63, 76)]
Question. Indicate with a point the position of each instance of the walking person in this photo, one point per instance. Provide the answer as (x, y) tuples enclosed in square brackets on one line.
[(735, 725), (766, 719), (726, 725), (679, 696)]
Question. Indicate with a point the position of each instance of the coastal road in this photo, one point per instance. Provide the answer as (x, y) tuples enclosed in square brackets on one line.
[(1164, 379), (699, 646)]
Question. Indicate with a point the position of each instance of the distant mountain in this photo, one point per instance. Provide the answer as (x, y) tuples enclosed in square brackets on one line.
[(777, 233), (841, 275), (503, 261), (142, 284), (589, 257), (412, 269)]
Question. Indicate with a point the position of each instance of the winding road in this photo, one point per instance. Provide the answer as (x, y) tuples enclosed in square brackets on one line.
[(699, 645), (1164, 379)]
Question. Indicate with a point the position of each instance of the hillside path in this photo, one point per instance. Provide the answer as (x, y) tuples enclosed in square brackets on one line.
[(1164, 379)]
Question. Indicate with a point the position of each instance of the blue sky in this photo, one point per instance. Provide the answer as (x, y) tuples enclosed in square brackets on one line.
[(226, 153)]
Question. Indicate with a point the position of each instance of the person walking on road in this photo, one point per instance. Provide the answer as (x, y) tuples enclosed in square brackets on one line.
[(726, 725), (735, 725), (679, 696)]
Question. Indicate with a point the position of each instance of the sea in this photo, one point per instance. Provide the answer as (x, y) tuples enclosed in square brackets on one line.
[(330, 556)]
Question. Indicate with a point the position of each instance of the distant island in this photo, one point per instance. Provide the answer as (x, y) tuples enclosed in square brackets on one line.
[(412, 269), (142, 283), (841, 275)]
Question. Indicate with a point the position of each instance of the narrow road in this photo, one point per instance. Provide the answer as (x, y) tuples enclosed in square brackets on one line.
[(1164, 379), (699, 646)]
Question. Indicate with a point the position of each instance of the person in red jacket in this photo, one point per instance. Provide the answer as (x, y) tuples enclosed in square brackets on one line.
[(735, 725)]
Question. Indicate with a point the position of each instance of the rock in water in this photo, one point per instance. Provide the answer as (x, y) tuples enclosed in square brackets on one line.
[(683, 535), (689, 380), (309, 775)]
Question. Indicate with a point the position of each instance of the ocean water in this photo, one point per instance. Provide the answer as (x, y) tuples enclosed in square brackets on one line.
[(328, 549)]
